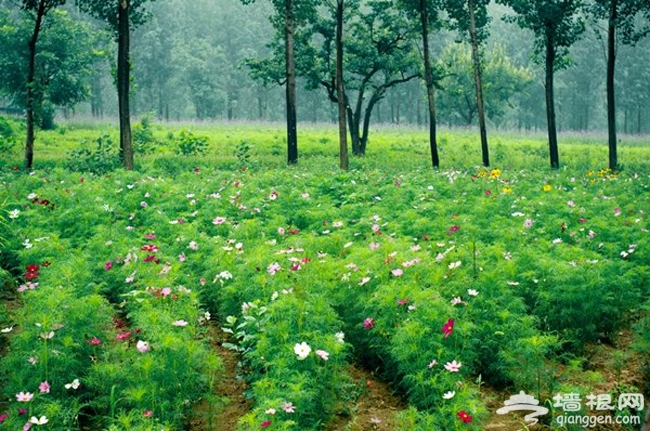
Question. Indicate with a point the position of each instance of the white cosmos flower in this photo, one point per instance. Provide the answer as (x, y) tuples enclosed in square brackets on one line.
[(302, 350), (449, 395)]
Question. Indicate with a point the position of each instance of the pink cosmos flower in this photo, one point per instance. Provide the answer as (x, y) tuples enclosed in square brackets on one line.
[(165, 291), (219, 220), (270, 412), (323, 354), (288, 407), (108, 265), (44, 387), (3, 417), (142, 346), (180, 323), (453, 366), (397, 272), (24, 397), (369, 323), (281, 231), (147, 413), (374, 245), (273, 268), (94, 341), (123, 336), (528, 223)]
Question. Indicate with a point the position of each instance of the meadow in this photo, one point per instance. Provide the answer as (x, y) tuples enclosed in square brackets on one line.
[(458, 287)]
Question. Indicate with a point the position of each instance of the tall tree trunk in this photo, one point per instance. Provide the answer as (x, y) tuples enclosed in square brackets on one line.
[(31, 83), (433, 143), (340, 90), (611, 98), (292, 133), (476, 61), (123, 83), (550, 103)]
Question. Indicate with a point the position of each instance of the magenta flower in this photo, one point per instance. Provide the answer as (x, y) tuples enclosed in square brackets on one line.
[(108, 265), (123, 336), (369, 323), (265, 424), (448, 328), (453, 229), (3, 417)]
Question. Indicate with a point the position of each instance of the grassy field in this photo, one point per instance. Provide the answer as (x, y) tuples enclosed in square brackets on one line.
[(455, 288)]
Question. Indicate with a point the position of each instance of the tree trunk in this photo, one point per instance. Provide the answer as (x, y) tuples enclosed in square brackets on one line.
[(476, 61), (550, 103), (611, 98), (340, 91), (31, 83), (366, 121), (433, 143), (353, 122), (123, 83), (292, 133)]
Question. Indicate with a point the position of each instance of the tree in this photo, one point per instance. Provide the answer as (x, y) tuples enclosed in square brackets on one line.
[(428, 16), (380, 55), (470, 18), (503, 80), (621, 17), (556, 26), (38, 9), (57, 75), (288, 16), (121, 16)]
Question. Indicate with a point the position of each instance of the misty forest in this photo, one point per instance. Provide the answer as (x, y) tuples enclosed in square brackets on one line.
[(411, 215)]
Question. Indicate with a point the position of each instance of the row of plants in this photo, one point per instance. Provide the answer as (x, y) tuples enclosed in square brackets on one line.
[(88, 350), (431, 279)]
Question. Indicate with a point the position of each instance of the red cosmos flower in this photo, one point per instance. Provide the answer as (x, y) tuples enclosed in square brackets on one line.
[(464, 416), (488, 192), (453, 229), (294, 232), (448, 328), (265, 424), (149, 258), (32, 268), (29, 276)]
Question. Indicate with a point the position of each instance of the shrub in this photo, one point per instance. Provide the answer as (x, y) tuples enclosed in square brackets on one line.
[(191, 145), (99, 161)]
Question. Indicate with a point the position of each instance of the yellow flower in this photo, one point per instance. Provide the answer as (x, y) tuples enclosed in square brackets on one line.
[(506, 189), (495, 173), (547, 187)]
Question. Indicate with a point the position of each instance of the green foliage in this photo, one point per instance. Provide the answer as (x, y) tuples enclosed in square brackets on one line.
[(144, 141), (243, 152), (7, 135), (99, 160), (189, 144)]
